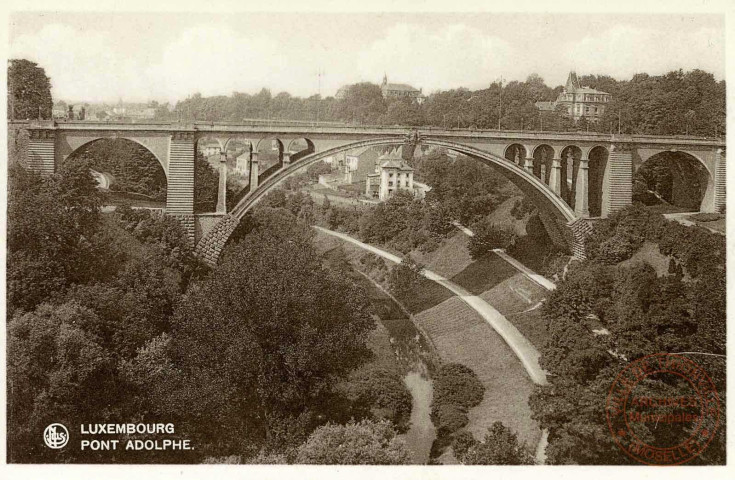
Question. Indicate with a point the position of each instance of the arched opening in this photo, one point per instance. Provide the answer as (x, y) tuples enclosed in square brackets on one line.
[(299, 148), (676, 179), (570, 156), (126, 171), (270, 157), (543, 156), (515, 153), (597, 180), (209, 153), (238, 153)]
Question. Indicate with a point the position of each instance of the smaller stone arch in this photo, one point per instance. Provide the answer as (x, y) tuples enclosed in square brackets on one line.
[(299, 148), (598, 178), (543, 157), (515, 153), (570, 157), (209, 145)]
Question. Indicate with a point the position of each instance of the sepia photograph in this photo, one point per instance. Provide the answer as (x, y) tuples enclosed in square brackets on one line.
[(336, 237)]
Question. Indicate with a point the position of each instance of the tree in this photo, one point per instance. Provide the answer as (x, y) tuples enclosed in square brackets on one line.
[(257, 355), (499, 447), (52, 230), (489, 236), (364, 443), (57, 372), (404, 277), (29, 91)]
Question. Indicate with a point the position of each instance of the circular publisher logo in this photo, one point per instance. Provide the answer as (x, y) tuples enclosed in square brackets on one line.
[(663, 409), (56, 436)]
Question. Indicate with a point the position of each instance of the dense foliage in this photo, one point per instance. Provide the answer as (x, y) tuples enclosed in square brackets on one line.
[(500, 446), (487, 237), (607, 313), (677, 102), (86, 291), (100, 329), (29, 91), (363, 443), (252, 359)]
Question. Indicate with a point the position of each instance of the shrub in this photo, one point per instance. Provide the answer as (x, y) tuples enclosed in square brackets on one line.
[(448, 418), (462, 442), (459, 385), (384, 393), (456, 389), (487, 237), (499, 447)]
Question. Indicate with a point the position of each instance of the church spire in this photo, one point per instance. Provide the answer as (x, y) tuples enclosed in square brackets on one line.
[(385, 79)]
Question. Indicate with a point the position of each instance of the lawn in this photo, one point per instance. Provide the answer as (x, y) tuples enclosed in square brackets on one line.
[(710, 220), (449, 259), (460, 335), (484, 274)]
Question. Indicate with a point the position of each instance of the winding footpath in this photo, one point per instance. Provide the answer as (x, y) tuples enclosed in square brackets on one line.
[(523, 349)]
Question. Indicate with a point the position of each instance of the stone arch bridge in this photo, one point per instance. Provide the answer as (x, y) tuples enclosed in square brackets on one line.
[(572, 178)]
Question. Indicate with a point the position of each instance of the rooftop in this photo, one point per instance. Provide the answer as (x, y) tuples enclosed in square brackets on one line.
[(399, 86)]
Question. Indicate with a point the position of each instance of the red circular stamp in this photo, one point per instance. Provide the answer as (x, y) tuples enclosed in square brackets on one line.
[(663, 409)]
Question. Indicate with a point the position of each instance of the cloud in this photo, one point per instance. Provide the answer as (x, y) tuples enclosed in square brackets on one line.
[(625, 50), (214, 60), (447, 57), (112, 58), (81, 64)]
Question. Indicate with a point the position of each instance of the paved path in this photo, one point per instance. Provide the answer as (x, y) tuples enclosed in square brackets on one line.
[(523, 349), (530, 274), (681, 218)]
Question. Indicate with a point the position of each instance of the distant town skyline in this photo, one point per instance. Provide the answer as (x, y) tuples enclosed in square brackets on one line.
[(140, 57)]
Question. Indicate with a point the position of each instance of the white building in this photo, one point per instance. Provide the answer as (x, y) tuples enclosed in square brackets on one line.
[(391, 174)]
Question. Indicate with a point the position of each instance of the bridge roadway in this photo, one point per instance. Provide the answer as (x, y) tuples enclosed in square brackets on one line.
[(571, 177)]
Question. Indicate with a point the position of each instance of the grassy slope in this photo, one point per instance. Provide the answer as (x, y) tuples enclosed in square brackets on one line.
[(449, 259), (461, 335)]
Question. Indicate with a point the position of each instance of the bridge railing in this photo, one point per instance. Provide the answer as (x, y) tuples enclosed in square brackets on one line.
[(305, 126)]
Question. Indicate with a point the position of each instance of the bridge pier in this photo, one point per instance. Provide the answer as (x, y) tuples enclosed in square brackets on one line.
[(620, 169), (555, 176), (528, 163), (720, 199), (287, 158), (581, 188), (254, 171), (222, 190), (41, 151), (180, 191)]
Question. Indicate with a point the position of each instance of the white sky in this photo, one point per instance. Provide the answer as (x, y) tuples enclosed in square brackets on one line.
[(163, 56)]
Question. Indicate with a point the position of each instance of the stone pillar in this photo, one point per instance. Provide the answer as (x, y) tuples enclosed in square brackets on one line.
[(180, 192), (41, 151), (180, 197), (720, 180), (620, 168), (287, 159), (222, 191), (254, 171), (528, 165), (555, 176), (581, 189)]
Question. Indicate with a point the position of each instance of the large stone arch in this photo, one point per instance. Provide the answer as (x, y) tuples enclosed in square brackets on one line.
[(553, 208), (79, 146), (690, 176)]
